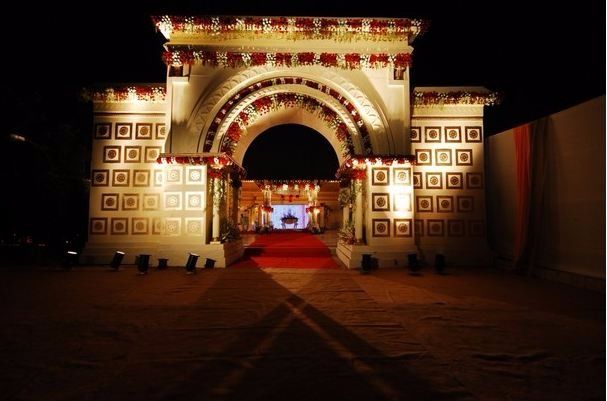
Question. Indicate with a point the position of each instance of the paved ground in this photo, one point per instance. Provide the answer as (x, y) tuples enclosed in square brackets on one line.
[(284, 334)]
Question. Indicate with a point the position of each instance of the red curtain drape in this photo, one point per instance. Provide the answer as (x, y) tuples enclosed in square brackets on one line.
[(522, 149)]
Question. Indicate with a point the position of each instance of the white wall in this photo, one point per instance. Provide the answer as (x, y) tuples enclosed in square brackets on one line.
[(572, 237)]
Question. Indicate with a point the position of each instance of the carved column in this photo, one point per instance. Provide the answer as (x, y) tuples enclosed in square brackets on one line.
[(358, 211), (345, 215), (216, 177), (236, 184)]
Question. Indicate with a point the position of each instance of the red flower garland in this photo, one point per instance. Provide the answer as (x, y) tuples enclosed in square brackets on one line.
[(179, 55)]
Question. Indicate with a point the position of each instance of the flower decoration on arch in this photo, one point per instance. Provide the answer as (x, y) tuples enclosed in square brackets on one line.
[(180, 55), (277, 101), (235, 131)]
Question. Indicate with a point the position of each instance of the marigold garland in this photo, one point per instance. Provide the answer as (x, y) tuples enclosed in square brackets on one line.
[(179, 55), (293, 28), (458, 97), (244, 92), (277, 101), (127, 94)]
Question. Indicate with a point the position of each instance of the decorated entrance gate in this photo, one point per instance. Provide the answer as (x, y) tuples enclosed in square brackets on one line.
[(166, 158)]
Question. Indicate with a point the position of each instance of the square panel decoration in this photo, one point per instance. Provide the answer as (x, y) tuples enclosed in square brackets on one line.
[(100, 178), (454, 180), (152, 153), (130, 201), (119, 226), (415, 134), (120, 178), (402, 228), (151, 201), (172, 201), (444, 204), (194, 175), (423, 157), (463, 157), (193, 226), (194, 200), (402, 202), (158, 178), (111, 154), (434, 180), (381, 227), (161, 131), (132, 154), (141, 178), (103, 131), (418, 181), (474, 180), (455, 228), (143, 131), (172, 226), (474, 134), (453, 134), (109, 201), (140, 225), (98, 225), (380, 176), (465, 204), (173, 175), (476, 228), (423, 204), (443, 157), (436, 228), (419, 227), (156, 226), (123, 131), (432, 134), (380, 202), (402, 175)]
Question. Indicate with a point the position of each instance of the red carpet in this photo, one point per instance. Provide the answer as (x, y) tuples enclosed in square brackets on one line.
[(287, 249)]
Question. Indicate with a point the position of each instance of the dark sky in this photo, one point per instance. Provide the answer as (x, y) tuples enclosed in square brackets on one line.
[(541, 60)]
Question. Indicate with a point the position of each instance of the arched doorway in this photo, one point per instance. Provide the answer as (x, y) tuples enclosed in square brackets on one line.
[(289, 195), (290, 151)]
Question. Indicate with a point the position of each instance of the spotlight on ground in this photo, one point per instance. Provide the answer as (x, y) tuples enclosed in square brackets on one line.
[(117, 260), (209, 264), (413, 263), (190, 266), (163, 263), (365, 266), (439, 263), (143, 263), (70, 259)]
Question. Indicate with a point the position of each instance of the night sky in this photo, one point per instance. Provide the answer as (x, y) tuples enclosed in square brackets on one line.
[(541, 60)]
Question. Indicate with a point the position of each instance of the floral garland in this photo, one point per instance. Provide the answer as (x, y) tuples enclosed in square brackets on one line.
[(460, 97), (129, 94), (354, 167), (219, 160), (293, 28), (277, 101), (179, 55), (233, 101), (291, 185)]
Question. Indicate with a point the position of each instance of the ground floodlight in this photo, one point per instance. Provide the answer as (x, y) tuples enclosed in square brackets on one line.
[(70, 259), (117, 260), (163, 263), (143, 263), (413, 262), (439, 263), (365, 266), (209, 264), (190, 266)]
